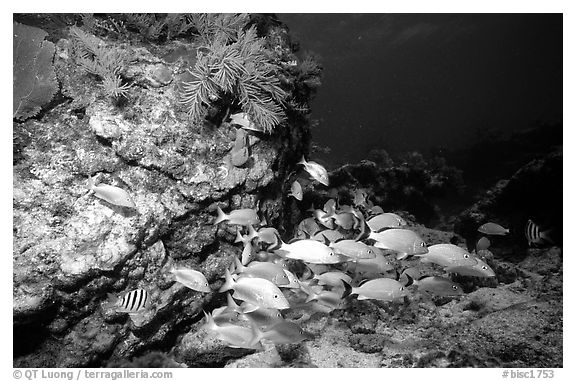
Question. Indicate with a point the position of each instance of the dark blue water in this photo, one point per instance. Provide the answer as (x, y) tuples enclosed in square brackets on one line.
[(430, 82)]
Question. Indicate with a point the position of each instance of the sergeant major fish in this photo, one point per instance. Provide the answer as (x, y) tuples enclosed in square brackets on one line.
[(535, 236), (131, 302)]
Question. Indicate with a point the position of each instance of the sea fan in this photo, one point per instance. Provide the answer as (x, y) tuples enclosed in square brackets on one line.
[(34, 82), (241, 69)]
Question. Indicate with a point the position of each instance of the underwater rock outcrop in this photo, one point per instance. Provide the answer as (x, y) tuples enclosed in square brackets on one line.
[(72, 249)]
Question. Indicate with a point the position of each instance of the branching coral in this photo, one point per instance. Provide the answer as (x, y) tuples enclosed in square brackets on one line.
[(242, 70), (98, 59)]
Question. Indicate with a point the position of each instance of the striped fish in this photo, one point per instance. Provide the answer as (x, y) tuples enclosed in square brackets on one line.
[(535, 236), (132, 302)]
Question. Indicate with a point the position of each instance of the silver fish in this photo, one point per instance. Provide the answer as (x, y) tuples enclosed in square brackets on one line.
[(296, 191), (492, 228), (405, 242), (332, 278), (353, 249), (479, 269), (284, 332), (317, 171), (265, 270), (243, 217), (257, 291), (233, 335), (243, 120), (438, 286), (385, 220), (191, 278), (309, 251), (110, 193), (447, 254), (385, 289)]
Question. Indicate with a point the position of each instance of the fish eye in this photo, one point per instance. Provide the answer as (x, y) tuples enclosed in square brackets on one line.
[(423, 244), (484, 268), (275, 296), (401, 288), (466, 256), (369, 251), (454, 287)]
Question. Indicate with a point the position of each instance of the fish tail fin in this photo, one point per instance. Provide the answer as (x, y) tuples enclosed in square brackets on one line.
[(410, 281), (364, 230), (347, 289), (239, 268), (311, 297), (232, 303), (252, 233), (257, 335), (210, 323), (221, 216), (239, 237), (302, 161), (229, 283)]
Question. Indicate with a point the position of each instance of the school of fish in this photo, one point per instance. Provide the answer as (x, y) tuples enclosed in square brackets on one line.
[(339, 252)]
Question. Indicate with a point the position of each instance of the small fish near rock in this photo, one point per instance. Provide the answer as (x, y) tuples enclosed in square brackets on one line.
[(492, 228), (244, 217), (113, 195), (317, 171)]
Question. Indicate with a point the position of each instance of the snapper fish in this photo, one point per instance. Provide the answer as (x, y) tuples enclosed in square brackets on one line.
[(436, 285), (385, 220), (109, 193), (353, 249), (385, 289), (190, 278), (492, 228), (372, 268), (405, 242), (296, 191), (257, 291), (283, 332), (448, 255), (234, 336), (292, 280), (332, 278), (131, 302), (265, 270), (482, 244), (479, 269), (309, 251), (243, 120), (535, 236), (244, 217), (317, 171), (264, 318)]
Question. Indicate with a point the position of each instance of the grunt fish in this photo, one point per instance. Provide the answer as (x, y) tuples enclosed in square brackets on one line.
[(492, 228), (190, 278), (260, 292), (385, 220), (447, 254), (437, 285), (243, 217), (110, 193), (233, 335), (317, 171), (296, 191), (403, 241), (385, 289)]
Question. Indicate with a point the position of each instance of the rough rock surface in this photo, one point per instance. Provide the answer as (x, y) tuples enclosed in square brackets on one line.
[(71, 248)]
